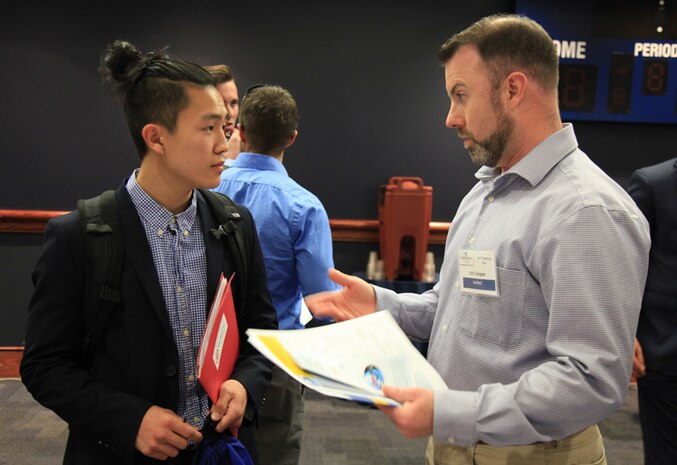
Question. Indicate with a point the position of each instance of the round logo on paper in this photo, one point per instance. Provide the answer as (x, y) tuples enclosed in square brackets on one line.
[(373, 376)]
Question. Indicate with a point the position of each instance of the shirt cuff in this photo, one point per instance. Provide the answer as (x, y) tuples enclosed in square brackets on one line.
[(454, 417), (386, 299)]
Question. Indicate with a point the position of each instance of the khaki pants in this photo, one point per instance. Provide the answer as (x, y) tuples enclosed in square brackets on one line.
[(584, 448)]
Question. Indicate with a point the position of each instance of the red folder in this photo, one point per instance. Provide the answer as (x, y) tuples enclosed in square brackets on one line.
[(220, 344)]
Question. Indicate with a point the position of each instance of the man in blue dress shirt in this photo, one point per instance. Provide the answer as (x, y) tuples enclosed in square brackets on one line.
[(294, 231), (532, 322)]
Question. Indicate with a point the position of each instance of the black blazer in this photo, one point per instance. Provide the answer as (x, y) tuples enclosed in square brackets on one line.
[(135, 362), (654, 189)]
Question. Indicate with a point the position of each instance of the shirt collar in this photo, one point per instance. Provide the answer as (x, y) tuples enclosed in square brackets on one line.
[(540, 160), (154, 214), (258, 161)]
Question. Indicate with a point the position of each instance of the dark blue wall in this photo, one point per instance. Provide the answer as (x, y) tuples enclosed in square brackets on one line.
[(365, 74)]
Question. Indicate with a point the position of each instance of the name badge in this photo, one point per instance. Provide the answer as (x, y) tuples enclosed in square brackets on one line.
[(477, 270)]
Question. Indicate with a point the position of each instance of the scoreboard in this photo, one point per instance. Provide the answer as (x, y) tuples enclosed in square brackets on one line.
[(618, 60)]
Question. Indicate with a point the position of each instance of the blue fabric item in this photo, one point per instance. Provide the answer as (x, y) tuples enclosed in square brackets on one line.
[(293, 228), (226, 450), (220, 448)]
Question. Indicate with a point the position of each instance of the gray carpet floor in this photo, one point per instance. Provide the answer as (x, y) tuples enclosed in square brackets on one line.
[(336, 433)]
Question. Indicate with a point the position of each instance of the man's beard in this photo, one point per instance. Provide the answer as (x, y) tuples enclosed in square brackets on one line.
[(488, 152)]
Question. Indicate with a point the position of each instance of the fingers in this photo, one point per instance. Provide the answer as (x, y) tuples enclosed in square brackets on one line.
[(327, 308), (230, 408), (321, 305), (163, 434), (638, 365), (322, 298), (394, 393), (188, 432), (415, 417), (340, 278), (356, 298)]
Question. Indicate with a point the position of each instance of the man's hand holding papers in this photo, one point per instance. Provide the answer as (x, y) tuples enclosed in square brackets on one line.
[(415, 418)]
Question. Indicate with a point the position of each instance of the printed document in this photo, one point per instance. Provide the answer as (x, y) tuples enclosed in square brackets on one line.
[(351, 359)]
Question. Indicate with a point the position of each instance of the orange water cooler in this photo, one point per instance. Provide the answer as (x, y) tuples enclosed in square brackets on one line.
[(404, 214)]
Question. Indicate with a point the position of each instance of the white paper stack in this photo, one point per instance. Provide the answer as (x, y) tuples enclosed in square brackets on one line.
[(349, 360)]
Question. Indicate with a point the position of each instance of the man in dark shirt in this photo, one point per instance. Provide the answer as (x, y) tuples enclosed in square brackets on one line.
[(654, 189)]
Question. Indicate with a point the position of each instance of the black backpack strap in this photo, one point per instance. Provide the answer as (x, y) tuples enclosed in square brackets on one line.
[(104, 257), (230, 226)]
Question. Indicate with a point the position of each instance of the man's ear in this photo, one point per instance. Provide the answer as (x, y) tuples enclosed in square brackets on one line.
[(292, 140), (516, 84), (152, 136), (243, 133)]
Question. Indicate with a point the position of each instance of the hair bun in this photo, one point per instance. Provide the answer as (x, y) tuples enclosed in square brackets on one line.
[(119, 65)]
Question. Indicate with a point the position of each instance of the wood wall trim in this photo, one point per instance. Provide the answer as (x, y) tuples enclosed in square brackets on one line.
[(26, 221), (10, 357), (34, 221)]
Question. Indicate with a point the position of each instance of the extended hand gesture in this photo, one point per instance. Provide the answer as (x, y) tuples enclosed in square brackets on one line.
[(357, 298)]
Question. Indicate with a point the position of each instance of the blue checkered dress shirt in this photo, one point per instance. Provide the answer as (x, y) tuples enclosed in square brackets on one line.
[(178, 249)]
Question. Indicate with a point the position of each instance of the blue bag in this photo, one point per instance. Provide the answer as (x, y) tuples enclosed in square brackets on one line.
[(220, 448)]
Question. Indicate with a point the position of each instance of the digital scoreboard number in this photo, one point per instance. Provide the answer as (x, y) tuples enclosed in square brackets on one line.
[(618, 60)]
